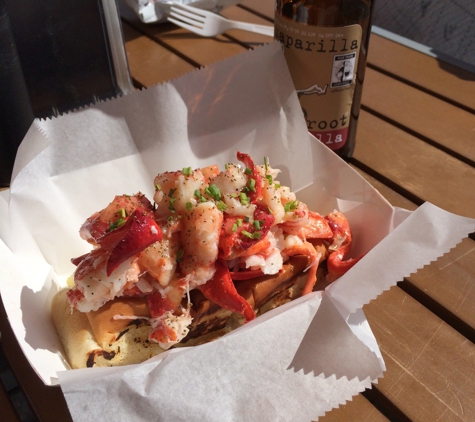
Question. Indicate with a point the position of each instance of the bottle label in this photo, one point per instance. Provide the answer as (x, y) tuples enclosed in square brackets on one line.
[(323, 63)]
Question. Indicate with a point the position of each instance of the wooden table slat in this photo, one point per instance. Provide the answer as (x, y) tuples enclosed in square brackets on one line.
[(418, 168), (420, 113), (450, 282), (146, 59), (446, 80), (393, 197), (429, 365)]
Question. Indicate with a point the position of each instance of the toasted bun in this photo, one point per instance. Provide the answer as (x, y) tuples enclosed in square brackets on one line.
[(74, 331), (98, 339)]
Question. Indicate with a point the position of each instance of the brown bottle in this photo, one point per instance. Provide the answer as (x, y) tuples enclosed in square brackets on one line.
[(325, 44)]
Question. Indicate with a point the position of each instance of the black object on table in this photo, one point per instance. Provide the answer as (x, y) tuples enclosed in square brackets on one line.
[(56, 56)]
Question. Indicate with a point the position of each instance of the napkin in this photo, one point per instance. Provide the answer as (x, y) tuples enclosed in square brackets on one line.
[(294, 363)]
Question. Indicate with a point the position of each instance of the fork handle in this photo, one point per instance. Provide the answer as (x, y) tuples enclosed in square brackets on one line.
[(258, 29)]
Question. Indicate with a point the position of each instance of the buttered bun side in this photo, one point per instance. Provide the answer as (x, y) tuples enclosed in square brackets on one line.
[(74, 331), (98, 339)]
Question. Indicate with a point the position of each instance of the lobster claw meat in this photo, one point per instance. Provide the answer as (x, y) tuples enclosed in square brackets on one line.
[(221, 290), (93, 260), (341, 246), (140, 231), (98, 228)]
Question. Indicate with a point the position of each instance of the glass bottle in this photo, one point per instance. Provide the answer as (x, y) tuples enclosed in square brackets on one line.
[(325, 44)]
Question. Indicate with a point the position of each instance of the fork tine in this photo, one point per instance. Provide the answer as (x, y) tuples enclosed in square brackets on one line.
[(190, 28), (194, 10), (185, 19), (191, 15)]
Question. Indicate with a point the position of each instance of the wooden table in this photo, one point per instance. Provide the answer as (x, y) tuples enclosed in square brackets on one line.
[(415, 143)]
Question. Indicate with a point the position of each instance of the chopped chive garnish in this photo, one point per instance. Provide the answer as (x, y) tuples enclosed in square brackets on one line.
[(158, 187), (239, 222), (122, 212), (255, 235), (257, 224), (266, 163), (269, 179), (179, 255), (291, 206), (277, 185), (244, 198), (214, 192), (221, 205), (248, 170), (119, 223), (171, 206), (252, 185), (172, 191), (234, 228), (186, 171), (189, 205), (200, 197)]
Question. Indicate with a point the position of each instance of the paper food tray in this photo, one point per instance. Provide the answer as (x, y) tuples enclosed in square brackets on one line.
[(292, 364)]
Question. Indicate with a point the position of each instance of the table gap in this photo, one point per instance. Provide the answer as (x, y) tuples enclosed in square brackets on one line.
[(249, 46), (436, 308), (137, 84), (384, 405), (388, 182), (250, 10), (417, 135), (140, 29), (421, 88)]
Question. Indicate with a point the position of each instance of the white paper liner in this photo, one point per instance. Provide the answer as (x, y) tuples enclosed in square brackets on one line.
[(294, 363)]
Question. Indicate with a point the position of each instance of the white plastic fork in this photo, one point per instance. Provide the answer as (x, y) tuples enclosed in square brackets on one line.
[(209, 24)]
